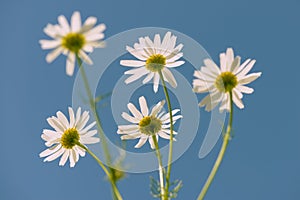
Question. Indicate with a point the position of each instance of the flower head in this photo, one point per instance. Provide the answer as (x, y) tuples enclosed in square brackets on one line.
[(146, 124), (73, 39), (230, 77), (153, 57), (66, 136)]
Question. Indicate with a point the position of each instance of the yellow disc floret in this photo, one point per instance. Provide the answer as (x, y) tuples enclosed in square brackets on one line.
[(70, 138), (156, 62), (150, 125), (73, 42), (226, 81)]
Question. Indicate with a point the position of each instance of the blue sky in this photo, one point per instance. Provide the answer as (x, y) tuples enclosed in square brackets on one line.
[(262, 161)]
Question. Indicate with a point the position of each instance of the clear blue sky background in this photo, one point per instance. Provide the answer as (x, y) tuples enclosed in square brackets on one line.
[(263, 159)]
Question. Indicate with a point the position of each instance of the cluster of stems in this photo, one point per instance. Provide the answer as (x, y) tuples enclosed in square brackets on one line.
[(164, 175)]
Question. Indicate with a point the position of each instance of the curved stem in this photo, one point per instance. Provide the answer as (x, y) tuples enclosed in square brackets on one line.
[(115, 189), (221, 154), (99, 125), (171, 136), (160, 167)]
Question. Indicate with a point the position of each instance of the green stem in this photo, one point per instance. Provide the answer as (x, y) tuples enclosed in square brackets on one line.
[(160, 167), (97, 118), (221, 153), (115, 189), (171, 136)]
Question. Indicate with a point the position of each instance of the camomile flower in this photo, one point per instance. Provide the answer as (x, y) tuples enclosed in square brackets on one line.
[(73, 39), (64, 139), (145, 124), (232, 76), (154, 57)]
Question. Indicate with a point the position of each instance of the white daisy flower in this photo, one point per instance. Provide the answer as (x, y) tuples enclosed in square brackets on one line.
[(230, 77), (154, 57), (73, 39), (146, 124), (63, 140)]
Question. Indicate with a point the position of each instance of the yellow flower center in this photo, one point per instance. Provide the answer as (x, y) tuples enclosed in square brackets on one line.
[(156, 62), (150, 125), (70, 138), (73, 42), (226, 81)]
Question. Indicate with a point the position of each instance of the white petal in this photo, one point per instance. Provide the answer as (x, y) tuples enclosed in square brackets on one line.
[(136, 76), (72, 157), (238, 102), (49, 151), (151, 143), (246, 69), (136, 53), (148, 77), (143, 106), (88, 133), (62, 118), (157, 108), (88, 24), (150, 45), (130, 118), (240, 68), (249, 78), (97, 29), (132, 63), (155, 82), (164, 135), (85, 57), (212, 65), (50, 31), (72, 117), (76, 21), (169, 77), (157, 43), (175, 64), (165, 41), (78, 114), (131, 136), (223, 62), (53, 121), (87, 128), (83, 120), (134, 111), (168, 131), (89, 140), (53, 54), (70, 64), (49, 44), (55, 155), (64, 158), (175, 57), (124, 128), (64, 23), (175, 118), (167, 115), (229, 58), (141, 142), (94, 37), (235, 64), (245, 89)]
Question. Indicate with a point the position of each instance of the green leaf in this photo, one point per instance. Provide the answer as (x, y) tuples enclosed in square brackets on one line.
[(155, 188)]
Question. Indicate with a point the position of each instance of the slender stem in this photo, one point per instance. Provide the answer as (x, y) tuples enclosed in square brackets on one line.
[(171, 135), (94, 110), (115, 189), (160, 167), (99, 125), (221, 153)]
